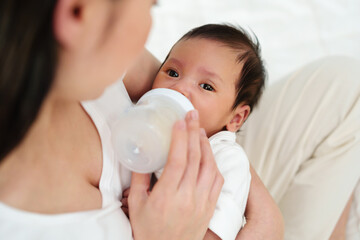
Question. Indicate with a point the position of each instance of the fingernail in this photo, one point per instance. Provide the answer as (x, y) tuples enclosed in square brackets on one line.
[(202, 132), (194, 115), (181, 125)]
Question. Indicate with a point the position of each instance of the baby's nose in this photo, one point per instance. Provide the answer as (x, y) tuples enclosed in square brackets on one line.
[(184, 89)]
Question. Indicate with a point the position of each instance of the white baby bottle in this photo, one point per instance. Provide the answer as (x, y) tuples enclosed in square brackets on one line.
[(142, 135)]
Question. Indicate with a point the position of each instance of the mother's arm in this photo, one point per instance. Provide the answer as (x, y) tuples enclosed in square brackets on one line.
[(139, 78), (264, 219)]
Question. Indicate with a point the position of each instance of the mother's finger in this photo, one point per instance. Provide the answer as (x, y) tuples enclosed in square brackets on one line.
[(139, 188), (176, 163), (208, 169), (216, 188), (194, 152)]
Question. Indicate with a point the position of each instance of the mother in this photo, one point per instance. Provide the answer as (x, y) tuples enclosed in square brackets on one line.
[(58, 178)]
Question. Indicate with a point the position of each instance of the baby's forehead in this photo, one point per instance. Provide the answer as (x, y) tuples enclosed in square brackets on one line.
[(201, 40), (231, 55), (197, 44)]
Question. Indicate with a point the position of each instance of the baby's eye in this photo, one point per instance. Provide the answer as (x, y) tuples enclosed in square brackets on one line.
[(207, 87), (172, 73)]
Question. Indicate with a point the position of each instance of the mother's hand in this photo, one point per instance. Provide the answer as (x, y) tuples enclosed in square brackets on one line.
[(183, 200)]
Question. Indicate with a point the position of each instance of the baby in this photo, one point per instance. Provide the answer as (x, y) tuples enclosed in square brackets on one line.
[(219, 69)]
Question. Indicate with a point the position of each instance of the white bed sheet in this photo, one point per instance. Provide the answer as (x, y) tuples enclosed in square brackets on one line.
[(291, 33)]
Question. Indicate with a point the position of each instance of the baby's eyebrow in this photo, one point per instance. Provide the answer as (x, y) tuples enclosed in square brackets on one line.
[(175, 61), (211, 74)]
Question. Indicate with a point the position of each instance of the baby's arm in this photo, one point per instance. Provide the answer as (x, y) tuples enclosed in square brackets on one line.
[(139, 78)]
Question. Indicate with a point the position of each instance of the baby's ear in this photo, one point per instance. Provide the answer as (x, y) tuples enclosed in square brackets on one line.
[(239, 116)]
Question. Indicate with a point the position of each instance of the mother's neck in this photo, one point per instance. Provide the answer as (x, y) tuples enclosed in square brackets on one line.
[(53, 131)]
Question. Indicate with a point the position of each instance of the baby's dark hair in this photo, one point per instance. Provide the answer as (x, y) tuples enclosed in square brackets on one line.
[(252, 76)]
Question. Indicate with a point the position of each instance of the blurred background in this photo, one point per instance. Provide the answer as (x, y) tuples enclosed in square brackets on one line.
[(291, 32)]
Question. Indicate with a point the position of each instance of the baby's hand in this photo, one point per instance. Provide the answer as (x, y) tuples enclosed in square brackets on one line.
[(124, 202)]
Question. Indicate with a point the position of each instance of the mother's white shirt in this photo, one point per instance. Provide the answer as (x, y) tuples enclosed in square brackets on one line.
[(109, 222)]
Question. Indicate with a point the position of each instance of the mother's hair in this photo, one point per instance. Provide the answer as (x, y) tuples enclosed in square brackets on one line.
[(27, 65)]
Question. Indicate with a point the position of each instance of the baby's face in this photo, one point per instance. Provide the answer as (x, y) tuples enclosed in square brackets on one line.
[(206, 72)]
